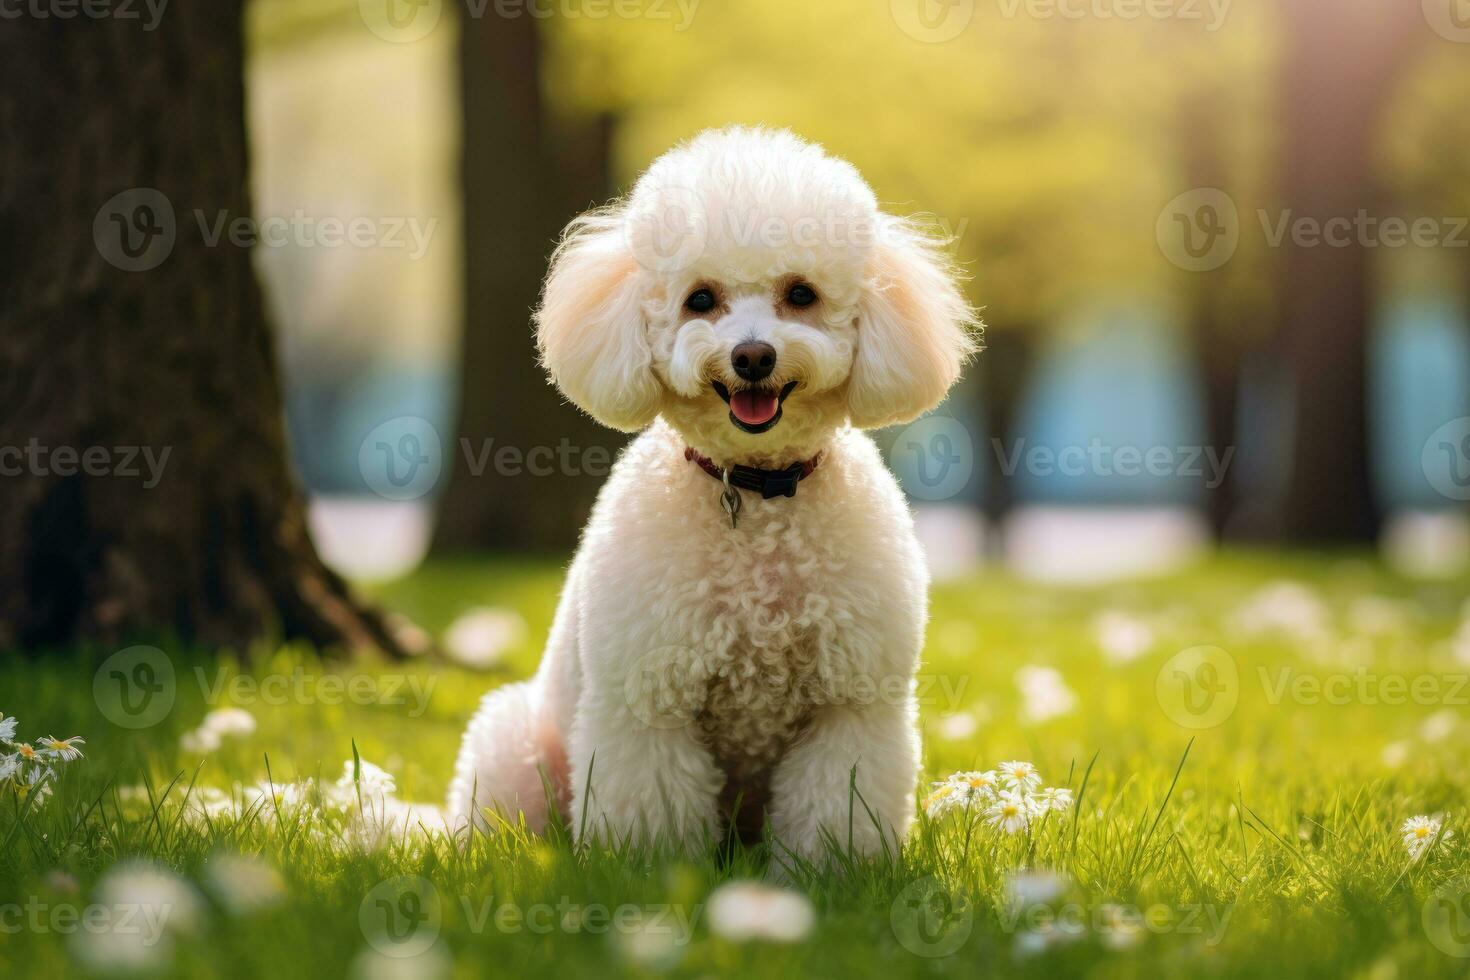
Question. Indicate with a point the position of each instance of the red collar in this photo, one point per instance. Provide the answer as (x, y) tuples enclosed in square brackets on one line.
[(769, 483)]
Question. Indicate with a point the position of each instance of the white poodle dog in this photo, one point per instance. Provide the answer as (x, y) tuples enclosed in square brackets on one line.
[(738, 634)]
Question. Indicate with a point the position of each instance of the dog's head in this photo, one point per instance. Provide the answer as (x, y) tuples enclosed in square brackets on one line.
[(750, 291)]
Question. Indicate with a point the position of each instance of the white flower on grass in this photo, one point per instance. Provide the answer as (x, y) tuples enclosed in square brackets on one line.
[(741, 911), (944, 797), (1289, 608), (199, 741), (1395, 754), (7, 728), (229, 722), (1439, 726), (244, 884), (1421, 832), (480, 637), (147, 906), (958, 726), (1020, 776), (376, 784), (1028, 888), (1010, 812), (1044, 694), (9, 765), (1051, 799), (64, 749), (977, 784), (1122, 637)]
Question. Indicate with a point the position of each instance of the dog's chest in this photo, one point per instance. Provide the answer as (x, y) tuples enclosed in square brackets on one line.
[(775, 598)]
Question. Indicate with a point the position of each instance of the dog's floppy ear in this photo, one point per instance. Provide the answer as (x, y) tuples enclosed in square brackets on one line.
[(590, 327), (915, 329)]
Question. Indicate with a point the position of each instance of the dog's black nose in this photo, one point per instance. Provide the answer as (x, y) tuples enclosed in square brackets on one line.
[(753, 360)]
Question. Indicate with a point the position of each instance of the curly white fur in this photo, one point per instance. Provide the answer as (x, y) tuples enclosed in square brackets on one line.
[(693, 666)]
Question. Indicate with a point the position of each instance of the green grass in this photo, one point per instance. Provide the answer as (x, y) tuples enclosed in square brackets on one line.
[(1273, 851)]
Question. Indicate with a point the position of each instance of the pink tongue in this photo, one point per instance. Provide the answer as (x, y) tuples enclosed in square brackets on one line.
[(754, 406)]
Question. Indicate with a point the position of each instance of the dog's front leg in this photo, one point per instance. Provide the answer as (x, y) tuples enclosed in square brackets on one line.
[(812, 789), (641, 781)]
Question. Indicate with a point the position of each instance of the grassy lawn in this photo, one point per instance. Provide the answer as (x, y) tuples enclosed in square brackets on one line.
[(1328, 708)]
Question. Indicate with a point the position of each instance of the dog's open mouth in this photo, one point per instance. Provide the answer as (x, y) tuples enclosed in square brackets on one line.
[(754, 410)]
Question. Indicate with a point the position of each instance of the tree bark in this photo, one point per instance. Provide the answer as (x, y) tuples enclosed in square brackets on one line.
[(123, 333), (1340, 61), (526, 466)]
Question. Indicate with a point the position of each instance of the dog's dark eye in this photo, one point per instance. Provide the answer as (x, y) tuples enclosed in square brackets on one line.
[(700, 301), (800, 294)]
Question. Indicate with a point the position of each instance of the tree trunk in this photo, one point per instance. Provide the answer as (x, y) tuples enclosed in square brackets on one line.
[(1006, 369), (147, 492), (1340, 61), (526, 466)]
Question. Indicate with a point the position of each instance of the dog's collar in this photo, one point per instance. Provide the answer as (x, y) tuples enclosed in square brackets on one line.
[(769, 483)]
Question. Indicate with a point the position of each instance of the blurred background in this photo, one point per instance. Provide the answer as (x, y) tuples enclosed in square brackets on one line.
[(1220, 247)]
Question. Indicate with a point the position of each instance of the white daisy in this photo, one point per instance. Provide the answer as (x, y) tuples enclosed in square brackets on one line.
[(64, 749), (9, 765), (199, 741), (229, 722), (1052, 799), (744, 910), (1020, 776), (1010, 812), (1420, 833), (7, 728), (977, 784), (1044, 694), (945, 797)]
